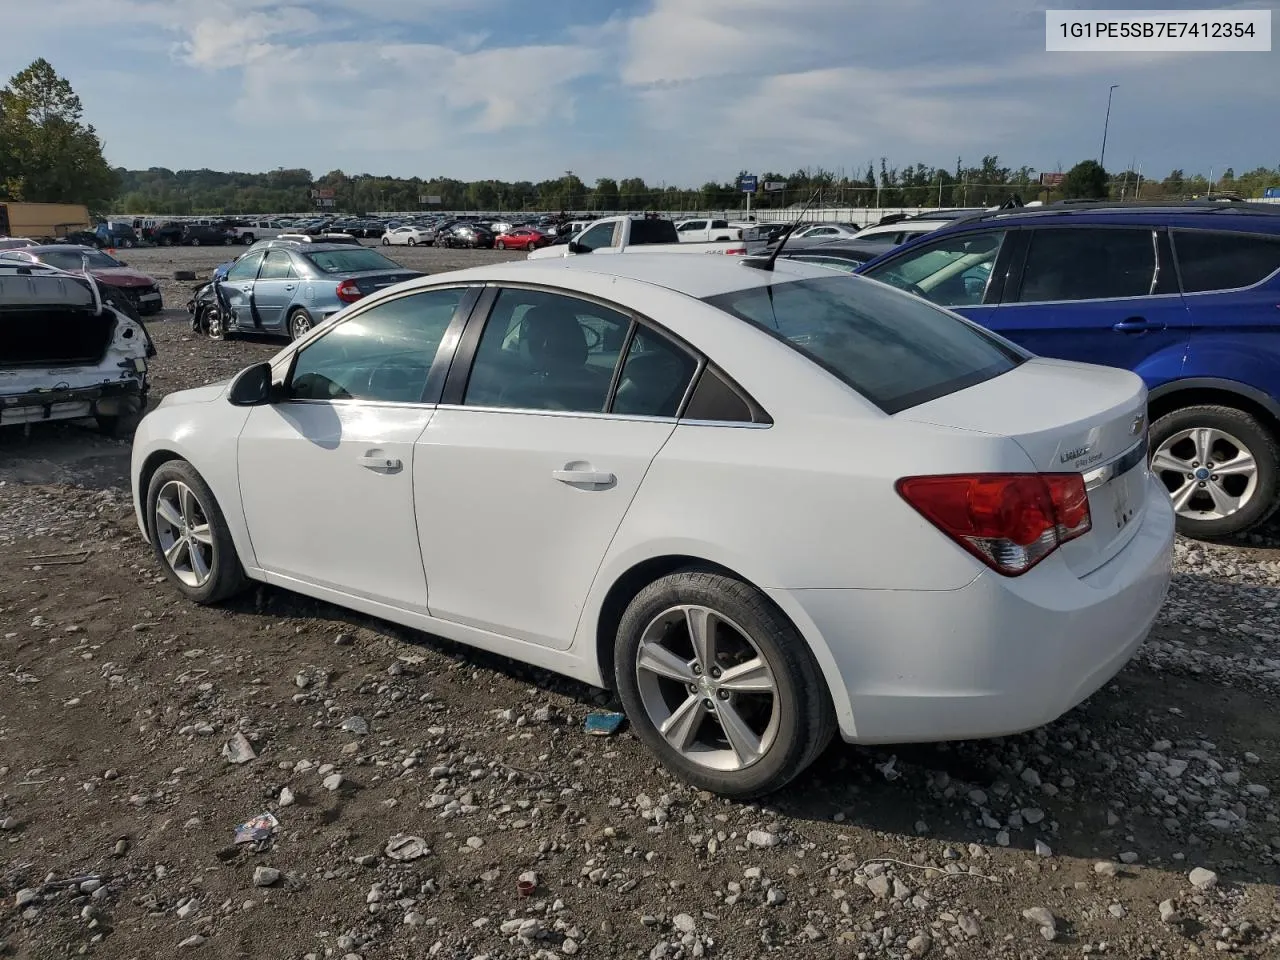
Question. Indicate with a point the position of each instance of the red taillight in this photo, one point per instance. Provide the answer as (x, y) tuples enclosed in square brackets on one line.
[(348, 291), (1009, 521)]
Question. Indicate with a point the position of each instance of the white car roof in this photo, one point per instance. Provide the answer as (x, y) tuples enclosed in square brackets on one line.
[(694, 275)]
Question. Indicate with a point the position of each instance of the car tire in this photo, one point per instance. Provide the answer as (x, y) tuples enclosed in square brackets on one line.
[(248, 239), (501, 245), (386, 242), (800, 719), (225, 577), (300, 323), (1178, 439), (531, 246), (412, 242), (228, 241), (195, 241), (118, 426), (215, 327)]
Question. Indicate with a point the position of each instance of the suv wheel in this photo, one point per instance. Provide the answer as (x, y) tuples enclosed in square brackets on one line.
[(1220, 466), (718, 683)]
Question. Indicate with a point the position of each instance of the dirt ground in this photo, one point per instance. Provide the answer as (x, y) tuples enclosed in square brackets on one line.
[(118, 807)]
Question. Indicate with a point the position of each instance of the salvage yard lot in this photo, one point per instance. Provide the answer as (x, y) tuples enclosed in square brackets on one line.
[(116, 698)]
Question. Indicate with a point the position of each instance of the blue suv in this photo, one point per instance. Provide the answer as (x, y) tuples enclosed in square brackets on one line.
[(1186, 295)]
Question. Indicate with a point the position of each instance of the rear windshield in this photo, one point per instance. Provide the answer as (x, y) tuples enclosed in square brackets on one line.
[(351, 261), (896, 350), (74, 259)]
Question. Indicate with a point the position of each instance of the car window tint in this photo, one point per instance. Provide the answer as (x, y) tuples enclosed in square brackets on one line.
[(246, 268), (655, 376), (601, 235), (1210, 260), (544, 351), (382, 353), (897, 351), (952, 272), (714, 399), (277, 266), (1084, 263)]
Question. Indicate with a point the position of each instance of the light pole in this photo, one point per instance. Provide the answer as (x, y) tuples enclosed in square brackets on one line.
[(1106, 123)]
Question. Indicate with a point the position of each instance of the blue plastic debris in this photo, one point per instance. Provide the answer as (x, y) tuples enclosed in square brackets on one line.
[(604, 723)]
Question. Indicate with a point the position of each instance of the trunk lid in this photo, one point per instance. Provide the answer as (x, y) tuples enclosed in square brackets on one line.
[(380, 280), (1068, 418)]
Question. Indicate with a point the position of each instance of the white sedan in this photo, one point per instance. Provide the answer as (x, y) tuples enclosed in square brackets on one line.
[(407, 236), (763, 505)]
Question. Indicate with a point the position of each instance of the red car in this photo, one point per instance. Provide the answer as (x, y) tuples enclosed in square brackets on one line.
[(522, 238), (139, 289)]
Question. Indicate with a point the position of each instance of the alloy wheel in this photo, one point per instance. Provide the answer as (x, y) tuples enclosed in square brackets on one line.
[(184, 534), (1208, 472), (299, 325), (707, 688)]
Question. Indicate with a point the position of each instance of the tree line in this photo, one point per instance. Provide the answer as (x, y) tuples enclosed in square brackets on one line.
[(48, 153)]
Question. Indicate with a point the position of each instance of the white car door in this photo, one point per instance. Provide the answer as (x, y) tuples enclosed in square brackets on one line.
[(529, 465), (326, 472)]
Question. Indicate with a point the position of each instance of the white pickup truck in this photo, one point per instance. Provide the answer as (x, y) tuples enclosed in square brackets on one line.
[(640, 235), (704, 231)]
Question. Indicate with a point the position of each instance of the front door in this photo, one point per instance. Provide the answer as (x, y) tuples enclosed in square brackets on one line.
[(274, 290), (237, 290), (326, 475), (1105, 295), (523, 479)]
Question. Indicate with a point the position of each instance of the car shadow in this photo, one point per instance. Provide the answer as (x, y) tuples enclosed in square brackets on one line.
[(1077, 785)]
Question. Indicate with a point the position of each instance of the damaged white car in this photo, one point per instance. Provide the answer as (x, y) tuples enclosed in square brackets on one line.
[(69, 349)]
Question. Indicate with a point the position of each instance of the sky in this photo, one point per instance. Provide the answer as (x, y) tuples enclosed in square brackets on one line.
[(675, 91)]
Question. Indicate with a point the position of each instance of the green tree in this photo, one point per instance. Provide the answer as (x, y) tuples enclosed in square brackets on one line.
[(1086, 180), (607, 196), (47, 153)]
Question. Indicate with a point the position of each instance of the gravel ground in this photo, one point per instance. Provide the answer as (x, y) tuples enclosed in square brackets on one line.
[(1143, 824)]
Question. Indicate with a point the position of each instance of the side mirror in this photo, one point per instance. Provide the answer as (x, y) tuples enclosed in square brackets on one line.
[(251, 386)]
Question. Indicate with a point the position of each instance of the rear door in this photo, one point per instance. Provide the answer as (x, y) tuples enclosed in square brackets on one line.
[(526, 470), (1096, 294)]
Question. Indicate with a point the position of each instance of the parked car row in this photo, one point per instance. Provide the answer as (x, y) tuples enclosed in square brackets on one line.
[(137, 289)]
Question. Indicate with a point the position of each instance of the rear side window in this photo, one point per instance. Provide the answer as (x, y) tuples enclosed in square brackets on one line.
[(1084, 263), (715, 400), (653, 231), (1209, 260), (897, 351)]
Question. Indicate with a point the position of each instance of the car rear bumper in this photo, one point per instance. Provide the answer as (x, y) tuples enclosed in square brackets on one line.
[(996, 657), (107, 399)]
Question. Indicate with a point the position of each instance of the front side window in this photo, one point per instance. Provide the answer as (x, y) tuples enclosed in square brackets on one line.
[(1209, 260), (953, 272), (246, 268), (383, 353), (693, 225), (1087, 263), (601, 235), (545, 351), (896, 351)]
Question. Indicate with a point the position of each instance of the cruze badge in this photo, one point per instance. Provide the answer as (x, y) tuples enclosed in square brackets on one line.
[(1075, 454)]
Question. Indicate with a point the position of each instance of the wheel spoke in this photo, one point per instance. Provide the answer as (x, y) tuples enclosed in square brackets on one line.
[(658, 660), (187, 500), (198, 565), (745, 744), (1242, 464), (1223, 502), (202, 533), (1203, 438), (701, 622), (168, 512), (1164, 461), (175, 552), (681, 727), (750, 677), (1182, 496)]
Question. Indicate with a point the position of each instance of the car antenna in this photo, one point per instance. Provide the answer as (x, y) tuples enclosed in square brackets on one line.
[(767, 262)]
